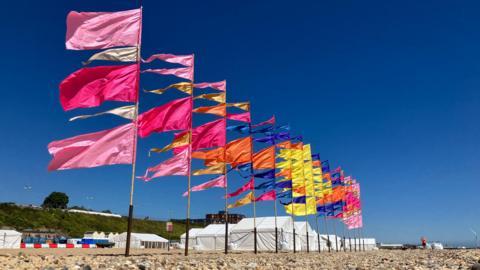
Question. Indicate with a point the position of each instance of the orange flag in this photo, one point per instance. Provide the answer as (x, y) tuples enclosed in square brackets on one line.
[(211, 157), (239, 151), (264, 159), (298, 145), (285, 144), (220, 110), (287, 173)]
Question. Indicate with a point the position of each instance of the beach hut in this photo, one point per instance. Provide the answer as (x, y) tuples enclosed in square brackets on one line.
[(140, 240), (192, 235), (10, 239), (212, 237), (242, 237)]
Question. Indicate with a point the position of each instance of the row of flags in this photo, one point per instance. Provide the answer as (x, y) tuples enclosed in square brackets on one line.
[(285, 169)]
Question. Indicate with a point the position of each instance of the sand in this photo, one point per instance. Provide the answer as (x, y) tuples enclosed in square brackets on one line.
[(156, 259)]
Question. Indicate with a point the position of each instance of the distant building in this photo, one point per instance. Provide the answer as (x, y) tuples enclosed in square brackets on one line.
[(93, 213), (219, 218), (42, 236)]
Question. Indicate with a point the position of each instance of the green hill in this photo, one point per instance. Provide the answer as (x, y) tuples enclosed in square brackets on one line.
[(76, 224)]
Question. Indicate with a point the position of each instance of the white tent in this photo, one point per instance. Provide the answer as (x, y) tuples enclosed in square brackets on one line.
[(10, 239), (212, 237), (140, 240), (370, 243), (242, 237), (301, 228), (192, 236)]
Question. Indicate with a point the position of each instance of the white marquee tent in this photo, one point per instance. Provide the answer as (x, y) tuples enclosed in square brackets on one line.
[(10, 239), (212, 237), (192, 235), (301, 228), (140, 240)]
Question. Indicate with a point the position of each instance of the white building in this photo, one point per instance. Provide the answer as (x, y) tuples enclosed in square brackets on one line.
[(10, 239), (140, 240), (212, 237)]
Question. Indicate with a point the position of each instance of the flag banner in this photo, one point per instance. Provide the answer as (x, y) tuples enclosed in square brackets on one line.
[(184, 73), (316, 157), (243, 201), (211, 134), (211, 157), (127, 112), (243, 129), (284, 127), (100, 30), (284, 145), (243, 117), (90, 86), (185, 60), (127, 54), (185, 87), (264, 159), (262, 130), (220, 86), (174, 115), (107, 147), (220, 182), (241, 105), (302, 209), (217, 97), (183, 140), (179, 164), (284, 195), (298, 138), (286, 172), (301, 199), (270, 174), (270, 184), (268, 196), (215, 169), (248, 186), (239, 151), (318, 164), (298, 146), (325, 166), (220, 110), (267, 139), (270, 121), (284, 184)]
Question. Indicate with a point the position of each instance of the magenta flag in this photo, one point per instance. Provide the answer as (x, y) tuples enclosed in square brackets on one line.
[(185, 73), (186, 60), (100, 30), (89, 87), (220, 86), (268, 196), (217, 182), (211, 134), (107, 147), (244, 117), (270, 121), (248, 186), (175, 115), (179, 164)]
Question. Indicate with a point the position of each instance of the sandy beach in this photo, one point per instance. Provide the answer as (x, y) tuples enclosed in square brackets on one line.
[(151, 259)]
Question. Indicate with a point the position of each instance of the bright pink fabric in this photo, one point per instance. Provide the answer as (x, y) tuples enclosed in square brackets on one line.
[(268, 196), (177, 165), (107, 147), (211, 134), (185, 73), (244, 117), (217, 182), (100, 30), (89, 87), (270, 121), (174, 115), (220, 86), (186, 60), (248, 186)]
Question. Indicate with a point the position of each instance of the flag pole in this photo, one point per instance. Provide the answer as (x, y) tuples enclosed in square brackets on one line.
[(275, 181), (226, 182), (189, 179), (328, 235), (335, 233), (318, 233), (252, 178), (305, 204), (135, 129), (291, 200)]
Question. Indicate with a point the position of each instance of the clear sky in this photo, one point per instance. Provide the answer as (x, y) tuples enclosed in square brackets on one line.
[(386, 89)]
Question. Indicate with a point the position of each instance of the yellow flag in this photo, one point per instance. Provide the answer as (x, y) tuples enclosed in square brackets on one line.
[(215, 169), (127, 112), (181, 141), (298, 209), (185, 87), (218, 97), (127, 54), (241, 105), (243, 201)]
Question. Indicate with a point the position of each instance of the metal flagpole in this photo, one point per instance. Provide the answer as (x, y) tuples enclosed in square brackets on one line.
[(252, 178), (275, 200), (189, 183), (328, 235), (135, 129), (355, 239), (344, 240), (349, 240), (335, 233), (226, 183), (318, 233)]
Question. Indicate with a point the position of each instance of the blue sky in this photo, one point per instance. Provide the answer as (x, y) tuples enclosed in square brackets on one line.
[(389, 91)]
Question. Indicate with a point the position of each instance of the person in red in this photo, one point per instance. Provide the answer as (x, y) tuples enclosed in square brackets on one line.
[(424, 242)]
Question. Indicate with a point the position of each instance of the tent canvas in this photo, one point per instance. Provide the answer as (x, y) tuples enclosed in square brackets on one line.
[(301, 228), (192, 235), (10, 239), (212, 237), (140, 240)]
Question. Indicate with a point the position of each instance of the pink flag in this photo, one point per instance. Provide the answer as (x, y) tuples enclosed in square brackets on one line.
[(217, 182), (89, 87), (174, 115), (220, 86), (249, 185), (186, 60), (99, 30), (211, 134), (176, 165), (270, 121), (107, 147), (268, 196), (244, 117), (185, 73)]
